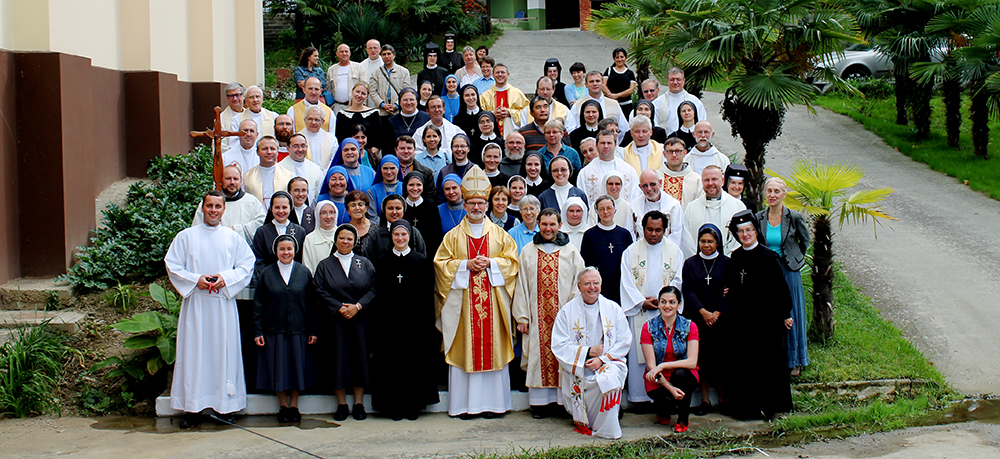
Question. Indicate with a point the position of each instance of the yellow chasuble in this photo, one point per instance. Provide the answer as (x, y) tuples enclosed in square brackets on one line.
[(515, 101), (300, 115), (475, 321), (654, 161)]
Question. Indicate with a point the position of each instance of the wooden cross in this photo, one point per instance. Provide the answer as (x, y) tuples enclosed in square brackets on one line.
[(216, 134)]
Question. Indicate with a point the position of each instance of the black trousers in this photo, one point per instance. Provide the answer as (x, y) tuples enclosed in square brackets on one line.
[(664, 403)]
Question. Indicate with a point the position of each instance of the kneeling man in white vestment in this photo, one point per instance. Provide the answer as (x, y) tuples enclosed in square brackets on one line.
[(591, 338)]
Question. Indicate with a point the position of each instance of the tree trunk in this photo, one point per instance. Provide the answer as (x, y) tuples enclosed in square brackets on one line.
[(300, 30), (920, 107), (980, 117), (756, 127), (822, 279), (951, 92), (754, 161), (902, 93)]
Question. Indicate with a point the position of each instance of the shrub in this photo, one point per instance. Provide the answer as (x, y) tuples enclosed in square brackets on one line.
[(131, 246), (154, 333), (30, 366)]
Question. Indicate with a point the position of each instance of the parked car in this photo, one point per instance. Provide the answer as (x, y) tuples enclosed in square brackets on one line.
[(863, 61)]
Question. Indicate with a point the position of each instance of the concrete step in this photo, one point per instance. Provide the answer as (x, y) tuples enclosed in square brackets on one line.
[(65, 320), (5, 335), (32, 294)]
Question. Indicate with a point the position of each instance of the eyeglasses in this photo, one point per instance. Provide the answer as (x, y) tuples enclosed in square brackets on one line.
[(561, 170), (476, 204), (742, 231), (233, 96), (647, 185), (674, 151)]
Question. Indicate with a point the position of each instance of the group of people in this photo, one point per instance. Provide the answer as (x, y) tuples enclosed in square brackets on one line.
[(505, 247)]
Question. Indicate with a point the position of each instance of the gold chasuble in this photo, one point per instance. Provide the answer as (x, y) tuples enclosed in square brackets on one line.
[(300, 115), (512, 98), (548, 307), (475, 321)]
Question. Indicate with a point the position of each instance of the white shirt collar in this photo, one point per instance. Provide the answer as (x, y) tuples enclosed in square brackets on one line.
[(401, 254)]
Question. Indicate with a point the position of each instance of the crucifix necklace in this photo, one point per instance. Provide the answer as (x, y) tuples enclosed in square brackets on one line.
[(611, 247), (708, 271), (400, 277)]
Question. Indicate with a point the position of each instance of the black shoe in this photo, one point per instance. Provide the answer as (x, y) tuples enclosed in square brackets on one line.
[(293, 414), (492, 415), (282, 415), (190, 420), (225, 419), (359, 413), (413, 415), (342, 413), (466, 416), (702, 409), (539, 412)]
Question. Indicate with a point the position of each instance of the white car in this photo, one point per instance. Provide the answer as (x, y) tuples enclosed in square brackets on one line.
[(858, 61)]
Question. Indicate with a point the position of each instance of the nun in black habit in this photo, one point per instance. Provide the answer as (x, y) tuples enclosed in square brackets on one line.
[(559, 86), (404, 330), (734, 183), (757, 317), (345, 286)]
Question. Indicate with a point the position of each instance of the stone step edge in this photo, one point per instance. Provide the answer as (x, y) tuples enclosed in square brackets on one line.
[(65, 320)]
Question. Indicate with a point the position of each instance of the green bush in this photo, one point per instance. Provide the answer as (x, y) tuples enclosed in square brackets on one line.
[(30, 366), (131, 246), (154, 332)]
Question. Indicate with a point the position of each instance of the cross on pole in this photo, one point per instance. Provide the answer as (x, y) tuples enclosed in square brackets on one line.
[(216, 134)]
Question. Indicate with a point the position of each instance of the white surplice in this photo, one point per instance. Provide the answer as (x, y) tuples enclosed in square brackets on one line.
[(243, 215), (637, 283), (307, 170), (592, 398), (592, 177), (208, 372), (717, 212), (668, 206)]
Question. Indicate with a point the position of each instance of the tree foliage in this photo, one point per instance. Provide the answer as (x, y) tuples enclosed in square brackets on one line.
[(763, 50)]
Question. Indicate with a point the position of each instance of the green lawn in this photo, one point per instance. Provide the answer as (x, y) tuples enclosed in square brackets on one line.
[(879, 115)]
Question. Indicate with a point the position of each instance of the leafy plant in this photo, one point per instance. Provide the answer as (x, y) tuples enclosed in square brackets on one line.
[(30, 366), (122, 297), (155, 332), (465, 26), (52, 301), (95, 401), (135, 237), (821, 191)]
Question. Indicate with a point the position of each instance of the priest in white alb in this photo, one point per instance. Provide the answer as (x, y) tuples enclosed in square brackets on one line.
[(546, 279), (244, 212), (654, 198), (267, 177), (591, 339), (713, 206), (475, 269), (650, 263), (208, 265), (299, 166), (591, 177)]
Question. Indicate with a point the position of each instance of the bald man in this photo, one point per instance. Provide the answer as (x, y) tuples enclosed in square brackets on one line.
[(704, 153), (342, 76), (314, 91), (654, 198)]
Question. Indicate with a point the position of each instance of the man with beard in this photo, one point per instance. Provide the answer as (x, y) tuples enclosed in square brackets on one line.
[(716, 207), (284, 127), (511, 162), (475, 271), (704, 153), (679, 179), (244, 212), (654, 198)]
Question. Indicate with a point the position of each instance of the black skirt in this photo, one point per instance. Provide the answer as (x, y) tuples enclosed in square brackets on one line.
[(284, 363)]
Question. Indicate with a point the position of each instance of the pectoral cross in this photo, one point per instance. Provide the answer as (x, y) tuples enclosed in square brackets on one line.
[(216, 134), (743, 272), (400, 277), (611, 247), (357, 262), (708, 279)]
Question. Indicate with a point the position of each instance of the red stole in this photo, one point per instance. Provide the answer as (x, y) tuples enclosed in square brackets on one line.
[(674, 186), (548, 307), (481, 308), (500, 99)]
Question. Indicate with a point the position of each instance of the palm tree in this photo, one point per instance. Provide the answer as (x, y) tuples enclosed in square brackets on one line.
[(822, 192), (976, 64), (764, 50)]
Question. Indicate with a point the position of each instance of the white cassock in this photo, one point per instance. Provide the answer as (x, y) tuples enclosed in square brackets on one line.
[(243, 214), (246, 159), (322, 146), (537, 296), (592, 398), (715, 211), (638, 283), (700, 159), (448, 132), (668, 206), (307, 170), (208, 372), (591, 179), (666, 109)]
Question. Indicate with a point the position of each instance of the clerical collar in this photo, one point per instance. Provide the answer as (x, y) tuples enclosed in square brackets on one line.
[(605, 227), (463, 163), (236, 197), (401, 254), (500, 89), (718, 198), (708, 257), (534, 182), (491, 136), (409, 115), (472, 112), (420, 200), (592, 129)]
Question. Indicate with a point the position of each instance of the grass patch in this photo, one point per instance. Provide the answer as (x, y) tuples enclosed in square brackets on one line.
[(878, 116), (30, 366)]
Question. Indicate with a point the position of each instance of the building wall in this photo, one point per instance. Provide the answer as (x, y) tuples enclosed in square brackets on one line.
[(10, 252)]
